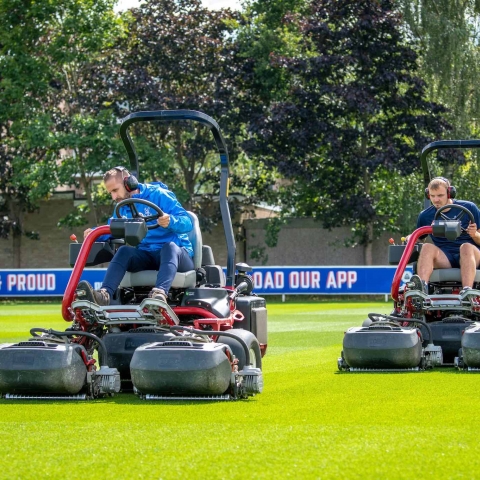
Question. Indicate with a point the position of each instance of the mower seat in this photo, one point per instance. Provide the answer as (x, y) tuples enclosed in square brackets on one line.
[(449, 275), (147, 278)]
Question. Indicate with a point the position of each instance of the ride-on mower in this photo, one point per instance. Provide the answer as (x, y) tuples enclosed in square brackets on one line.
[(425, 329), (205, 342)]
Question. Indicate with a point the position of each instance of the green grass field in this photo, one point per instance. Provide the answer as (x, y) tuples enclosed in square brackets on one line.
[(310, 422)]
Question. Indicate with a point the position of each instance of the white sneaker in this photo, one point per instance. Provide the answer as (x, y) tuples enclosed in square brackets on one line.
[(158, 294)]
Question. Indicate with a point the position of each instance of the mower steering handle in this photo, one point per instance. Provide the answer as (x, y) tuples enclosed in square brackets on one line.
[(240, 288), (419, 232)]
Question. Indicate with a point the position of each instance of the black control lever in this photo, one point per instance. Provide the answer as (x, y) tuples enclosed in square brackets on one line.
[(240, 288)]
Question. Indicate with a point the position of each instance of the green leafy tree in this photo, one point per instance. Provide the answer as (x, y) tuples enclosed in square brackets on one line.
[(52, 54), (170, 60), (25, 161), (20, 193), (81, 40), (448, 32)]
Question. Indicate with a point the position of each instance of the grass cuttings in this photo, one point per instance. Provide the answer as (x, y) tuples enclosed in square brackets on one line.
[(310, 422)]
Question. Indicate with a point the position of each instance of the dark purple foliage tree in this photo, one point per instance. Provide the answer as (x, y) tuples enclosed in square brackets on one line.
[(181, 55), (171, 59), (355, 117)]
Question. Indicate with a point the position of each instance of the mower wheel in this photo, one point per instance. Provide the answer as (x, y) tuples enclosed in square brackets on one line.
[(252, 343)]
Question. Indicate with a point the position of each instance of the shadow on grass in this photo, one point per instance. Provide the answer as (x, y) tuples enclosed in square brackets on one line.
[(444, 370), (120, 399)]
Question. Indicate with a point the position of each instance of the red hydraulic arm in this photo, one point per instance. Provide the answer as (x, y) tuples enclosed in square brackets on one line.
[(77, 271), (419, 232)]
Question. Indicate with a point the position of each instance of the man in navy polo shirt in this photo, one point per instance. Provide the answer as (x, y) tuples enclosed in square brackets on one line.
[(463, 253)]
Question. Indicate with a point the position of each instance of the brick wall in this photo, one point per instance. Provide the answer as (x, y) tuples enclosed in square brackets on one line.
[(304, 242), (51, 251), (6, 253), (301, 242)]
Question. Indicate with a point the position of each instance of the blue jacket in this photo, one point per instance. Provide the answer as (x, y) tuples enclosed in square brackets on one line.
[(180, 222), (426, 218)]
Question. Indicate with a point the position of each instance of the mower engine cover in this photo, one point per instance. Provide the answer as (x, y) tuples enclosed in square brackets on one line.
[(215, 300), (471, 346), (382, 347), (181, 367), (38, 366), (395, 253)]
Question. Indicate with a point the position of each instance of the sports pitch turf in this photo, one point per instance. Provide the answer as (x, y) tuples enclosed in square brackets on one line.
[(310, 422)]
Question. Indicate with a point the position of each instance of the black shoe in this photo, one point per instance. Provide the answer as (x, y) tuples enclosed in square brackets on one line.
[(85, 291), (416, 283)]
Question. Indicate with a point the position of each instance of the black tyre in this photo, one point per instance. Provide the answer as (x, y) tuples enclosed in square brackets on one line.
[(252, 343)]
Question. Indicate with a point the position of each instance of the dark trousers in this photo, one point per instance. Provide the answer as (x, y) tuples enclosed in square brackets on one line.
[(168, 260)]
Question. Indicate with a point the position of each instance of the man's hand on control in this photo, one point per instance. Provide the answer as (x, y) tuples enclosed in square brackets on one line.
[(472, 230), (87, 232), (164, 220)]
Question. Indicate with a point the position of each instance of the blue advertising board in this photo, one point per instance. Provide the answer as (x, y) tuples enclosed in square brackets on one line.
[(337, 280), (43, 282)]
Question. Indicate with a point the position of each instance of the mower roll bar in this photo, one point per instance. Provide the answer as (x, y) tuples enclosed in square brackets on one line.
[(168, 116), (439, 145), (67, 312), (419, 232), (173, 115)]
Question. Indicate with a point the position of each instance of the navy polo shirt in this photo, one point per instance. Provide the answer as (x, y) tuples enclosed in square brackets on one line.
[(426, 218)]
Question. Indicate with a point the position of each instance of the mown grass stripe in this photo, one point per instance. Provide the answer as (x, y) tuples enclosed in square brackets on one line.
[(310, 422)]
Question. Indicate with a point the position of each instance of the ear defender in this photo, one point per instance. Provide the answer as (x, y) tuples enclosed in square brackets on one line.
[(451, 190), (130, 182)]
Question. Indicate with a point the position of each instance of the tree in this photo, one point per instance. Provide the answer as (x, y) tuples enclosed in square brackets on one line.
[(175, 57), (24, 79), (80, 41), (356, 114), (170, 60), (448, 32), (55, 124), (20, 193)]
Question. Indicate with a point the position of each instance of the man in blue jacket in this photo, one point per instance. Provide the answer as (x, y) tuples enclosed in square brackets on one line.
[(463, 253), (166, 249)]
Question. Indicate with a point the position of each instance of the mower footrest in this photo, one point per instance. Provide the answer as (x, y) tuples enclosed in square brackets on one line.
[(211, 398), (10, 396)]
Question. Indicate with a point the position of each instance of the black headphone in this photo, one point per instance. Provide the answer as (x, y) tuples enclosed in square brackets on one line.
[(130, 182), (451, 190)]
